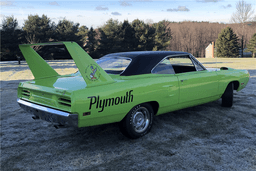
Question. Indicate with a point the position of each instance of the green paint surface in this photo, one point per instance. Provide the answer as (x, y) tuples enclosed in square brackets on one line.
[(109, 98)]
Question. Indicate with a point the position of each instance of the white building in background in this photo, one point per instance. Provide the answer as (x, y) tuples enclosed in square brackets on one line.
[(209, 51)]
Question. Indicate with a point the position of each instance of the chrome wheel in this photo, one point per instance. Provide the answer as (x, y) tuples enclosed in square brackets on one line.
[(140, 119)]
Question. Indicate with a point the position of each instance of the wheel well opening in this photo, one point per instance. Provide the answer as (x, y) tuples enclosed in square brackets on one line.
[(155, 106), (236, 85)]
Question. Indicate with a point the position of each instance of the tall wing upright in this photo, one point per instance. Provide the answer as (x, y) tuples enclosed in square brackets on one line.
[(38, 66), (91, 72)]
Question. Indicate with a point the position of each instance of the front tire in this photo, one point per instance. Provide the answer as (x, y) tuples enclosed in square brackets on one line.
[(138, 121), (227, 97)]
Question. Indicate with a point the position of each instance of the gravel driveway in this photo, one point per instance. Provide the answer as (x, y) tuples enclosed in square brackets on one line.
[(205, 137)]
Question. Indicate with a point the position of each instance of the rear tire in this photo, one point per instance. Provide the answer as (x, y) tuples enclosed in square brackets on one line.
[(227, 97), (138, 121)]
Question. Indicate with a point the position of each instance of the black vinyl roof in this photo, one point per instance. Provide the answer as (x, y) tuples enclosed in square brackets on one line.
[(143, 61)]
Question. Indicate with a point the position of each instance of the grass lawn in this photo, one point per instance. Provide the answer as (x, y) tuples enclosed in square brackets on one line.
[(237, 63), (13, 71)]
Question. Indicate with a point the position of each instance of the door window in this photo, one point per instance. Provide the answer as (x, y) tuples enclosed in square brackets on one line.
[(177, 64), (182, 64)]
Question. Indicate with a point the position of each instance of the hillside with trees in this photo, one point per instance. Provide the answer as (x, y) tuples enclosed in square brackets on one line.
[(117, 36)]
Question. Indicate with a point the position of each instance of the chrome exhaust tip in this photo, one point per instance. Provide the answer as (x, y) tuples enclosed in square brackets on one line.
[(59, 126), (35, 117)]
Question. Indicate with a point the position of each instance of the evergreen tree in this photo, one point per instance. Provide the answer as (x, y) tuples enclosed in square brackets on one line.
[(251, 47), (11, 37), (38, 29), (139, 27), (128, 39), (104, 44), (91, 43), (162, 35), (67, 31), (144, 35), (148, 38), (83, 31), (227, 44), (112, 31)]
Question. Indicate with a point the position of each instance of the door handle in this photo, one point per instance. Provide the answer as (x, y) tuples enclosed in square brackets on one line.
[(183, 80), (168, 86)]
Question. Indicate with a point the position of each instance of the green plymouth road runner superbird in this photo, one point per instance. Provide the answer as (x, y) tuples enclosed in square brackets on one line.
[(127, 87)]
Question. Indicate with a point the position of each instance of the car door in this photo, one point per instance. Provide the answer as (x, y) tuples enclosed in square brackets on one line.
[(165, 71), (195, 82)]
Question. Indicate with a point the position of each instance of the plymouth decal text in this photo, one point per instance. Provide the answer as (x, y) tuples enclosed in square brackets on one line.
[(102, 103)]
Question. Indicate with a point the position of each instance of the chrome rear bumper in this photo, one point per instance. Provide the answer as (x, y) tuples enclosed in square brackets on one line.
[(48, 114)]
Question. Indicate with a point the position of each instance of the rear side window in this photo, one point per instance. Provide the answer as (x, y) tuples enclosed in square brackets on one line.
[(113, 65), (164, 67)]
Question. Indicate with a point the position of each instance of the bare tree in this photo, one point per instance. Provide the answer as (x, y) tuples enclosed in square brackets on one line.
[(254, 18), (243, 12)]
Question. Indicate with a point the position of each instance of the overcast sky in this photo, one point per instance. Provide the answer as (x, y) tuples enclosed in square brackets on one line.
[(96, 13)]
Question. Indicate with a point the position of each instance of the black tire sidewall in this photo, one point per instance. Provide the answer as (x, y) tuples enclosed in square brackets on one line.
[(126, 125), (227, 97)]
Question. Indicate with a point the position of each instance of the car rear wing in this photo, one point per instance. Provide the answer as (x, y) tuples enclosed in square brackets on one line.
[(91, 72)]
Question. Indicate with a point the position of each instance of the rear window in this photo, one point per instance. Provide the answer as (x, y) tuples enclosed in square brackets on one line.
[(114, 65)]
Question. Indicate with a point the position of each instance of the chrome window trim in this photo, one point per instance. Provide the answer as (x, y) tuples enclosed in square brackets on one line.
[(119, 57), (194, 60)]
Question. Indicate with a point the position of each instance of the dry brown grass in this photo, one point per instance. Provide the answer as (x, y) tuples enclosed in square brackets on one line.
[(13, 71)]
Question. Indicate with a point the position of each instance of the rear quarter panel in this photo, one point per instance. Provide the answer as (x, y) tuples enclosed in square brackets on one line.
[(110, 103)]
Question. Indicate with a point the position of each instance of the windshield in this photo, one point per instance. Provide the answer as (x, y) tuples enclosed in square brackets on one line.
[(114, 65)]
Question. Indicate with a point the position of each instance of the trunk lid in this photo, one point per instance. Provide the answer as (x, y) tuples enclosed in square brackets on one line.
[(70, 83), (54, 92)]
